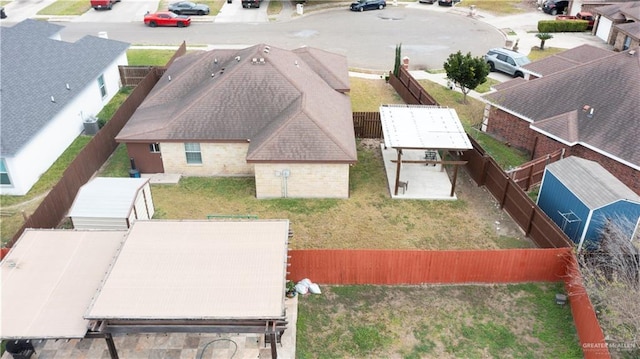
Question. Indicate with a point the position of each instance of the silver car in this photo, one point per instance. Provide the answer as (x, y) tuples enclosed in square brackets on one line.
[(507, 61)]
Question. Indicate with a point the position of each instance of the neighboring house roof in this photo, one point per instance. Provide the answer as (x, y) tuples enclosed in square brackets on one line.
[(35, 68), (630, 28), (567, 59), (620, 11), (115, 195), (595, 104), (590, 182), (288, 104)]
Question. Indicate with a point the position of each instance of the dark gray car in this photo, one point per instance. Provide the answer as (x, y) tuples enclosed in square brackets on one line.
[(188, 8)]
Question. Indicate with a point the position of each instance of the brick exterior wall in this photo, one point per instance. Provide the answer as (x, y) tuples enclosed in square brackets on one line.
[(618, 45), (218, 159), (516, 132), (304, 181)]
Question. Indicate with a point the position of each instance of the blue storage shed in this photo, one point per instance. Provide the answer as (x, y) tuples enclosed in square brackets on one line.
[(580, 196)]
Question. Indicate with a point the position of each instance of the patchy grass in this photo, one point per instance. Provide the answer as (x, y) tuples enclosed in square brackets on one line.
[(274, 8), (368, 219), (537, 54), (486, 86), (503, 7), (368, 95), (436, 322), (66, 7), (117, 165), (142, 57), (109, 109), (471, 116)]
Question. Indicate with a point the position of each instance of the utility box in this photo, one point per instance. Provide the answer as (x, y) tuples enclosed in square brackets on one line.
[(300, 9)]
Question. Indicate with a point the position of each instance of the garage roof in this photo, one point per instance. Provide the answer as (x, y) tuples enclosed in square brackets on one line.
[(49, 278), (422, 127), (116, 197), (197, 270)]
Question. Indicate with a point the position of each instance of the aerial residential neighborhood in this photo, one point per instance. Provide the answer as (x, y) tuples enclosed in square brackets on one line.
[(247, 179)]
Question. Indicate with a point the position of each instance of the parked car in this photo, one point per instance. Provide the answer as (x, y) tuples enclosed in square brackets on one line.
[(362, 5), (507, 61), (188, 8), (427, 1), (103, 4), (555, 7), (247, 4), (447, 2), (583, 15), (166, 18)]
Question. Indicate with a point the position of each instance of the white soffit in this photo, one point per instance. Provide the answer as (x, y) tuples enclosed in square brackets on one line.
[(197, 270), (422, 127), (49, 278)]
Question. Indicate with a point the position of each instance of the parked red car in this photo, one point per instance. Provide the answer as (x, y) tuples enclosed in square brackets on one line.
[(166, 18)]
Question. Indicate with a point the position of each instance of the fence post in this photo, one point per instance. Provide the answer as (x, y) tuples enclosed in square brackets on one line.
[(483, 172), (504, 193), (529, 178), (530, 221)]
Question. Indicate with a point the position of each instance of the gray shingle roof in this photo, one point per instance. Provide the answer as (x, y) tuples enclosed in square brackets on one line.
[(288, 104), (590, 182), (610, 85), (35, 67)]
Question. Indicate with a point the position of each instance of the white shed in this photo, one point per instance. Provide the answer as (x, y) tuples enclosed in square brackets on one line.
[(112, 203)]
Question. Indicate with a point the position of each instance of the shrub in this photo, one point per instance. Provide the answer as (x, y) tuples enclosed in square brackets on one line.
[(562, 25)]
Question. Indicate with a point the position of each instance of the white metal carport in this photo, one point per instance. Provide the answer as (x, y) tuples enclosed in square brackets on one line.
[(167, 276), (420, 127)]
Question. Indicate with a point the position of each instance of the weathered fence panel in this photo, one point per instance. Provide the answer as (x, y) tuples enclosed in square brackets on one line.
[(367, 125), (417, 267), (530, 173)]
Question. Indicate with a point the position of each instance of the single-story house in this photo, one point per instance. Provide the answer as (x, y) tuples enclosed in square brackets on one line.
[(280, 116), (618, 24), (590, 109), (112, 203), (50, 89), (583, 199)]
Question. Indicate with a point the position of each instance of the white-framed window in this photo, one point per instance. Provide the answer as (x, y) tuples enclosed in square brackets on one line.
[(4, 175), (102, 86), (154, 147), (192, 151)]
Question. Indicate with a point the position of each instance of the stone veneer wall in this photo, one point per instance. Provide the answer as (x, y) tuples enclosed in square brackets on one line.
[(324, 180), (218, 159)]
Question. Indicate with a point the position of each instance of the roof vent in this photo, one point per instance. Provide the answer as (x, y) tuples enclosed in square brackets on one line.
[(296, 63), (262, 61), (213, 74), (68, 87), (586, 108), (590, 113), (169, 77), (254, 60), (632, 52), (53, 99), (266, 50), (215, 60), (238, 58)]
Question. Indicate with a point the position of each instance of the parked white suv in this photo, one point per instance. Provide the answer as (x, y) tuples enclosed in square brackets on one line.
[(507, 61)]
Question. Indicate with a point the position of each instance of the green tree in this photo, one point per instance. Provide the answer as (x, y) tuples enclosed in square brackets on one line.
[(543, 36), (466, 71)]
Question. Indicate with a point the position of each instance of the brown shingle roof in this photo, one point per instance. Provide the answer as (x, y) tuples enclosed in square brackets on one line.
[(566, 59), (609, 85), (286, 104), (630, 28)]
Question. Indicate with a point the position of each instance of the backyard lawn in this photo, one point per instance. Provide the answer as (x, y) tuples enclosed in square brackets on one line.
[(462, 321)]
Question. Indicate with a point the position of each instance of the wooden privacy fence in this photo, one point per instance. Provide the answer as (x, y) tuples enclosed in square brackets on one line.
[(399, 267), (536, 224), (530, 173), (56, 204), (367, 124), (410, 89)]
